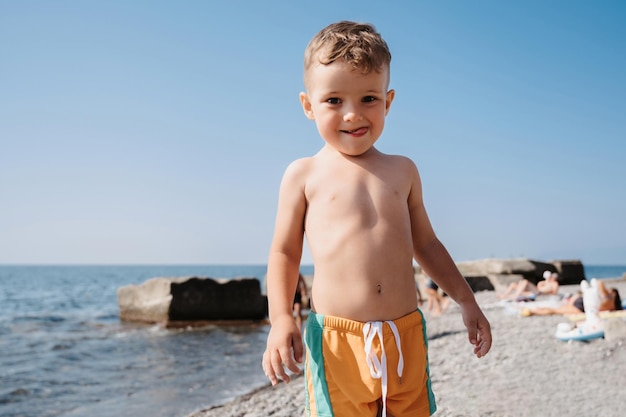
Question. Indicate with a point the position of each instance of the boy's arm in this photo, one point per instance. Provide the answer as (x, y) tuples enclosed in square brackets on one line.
[(437, 263), (284, 342)]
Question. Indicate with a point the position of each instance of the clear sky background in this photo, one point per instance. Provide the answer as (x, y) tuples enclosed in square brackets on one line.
[(158, 131)]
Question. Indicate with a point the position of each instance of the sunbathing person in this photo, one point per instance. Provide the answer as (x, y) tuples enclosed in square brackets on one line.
[(524, 289), (610, 300)]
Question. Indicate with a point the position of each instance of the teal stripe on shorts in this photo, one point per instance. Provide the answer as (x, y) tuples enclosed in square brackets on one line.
[(431, 395), (313, 341)]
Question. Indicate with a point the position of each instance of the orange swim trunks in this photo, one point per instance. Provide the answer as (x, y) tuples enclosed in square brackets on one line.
[(350, 373)]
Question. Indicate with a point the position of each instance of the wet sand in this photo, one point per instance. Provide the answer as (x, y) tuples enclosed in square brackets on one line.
[(528, 373)]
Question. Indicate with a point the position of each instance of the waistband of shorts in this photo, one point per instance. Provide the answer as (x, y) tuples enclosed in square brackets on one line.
[(403, 323)]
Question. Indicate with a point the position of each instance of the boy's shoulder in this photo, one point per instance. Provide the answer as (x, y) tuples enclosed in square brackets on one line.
[(398, 161), (300, 164), (298, 170), (399, 158)]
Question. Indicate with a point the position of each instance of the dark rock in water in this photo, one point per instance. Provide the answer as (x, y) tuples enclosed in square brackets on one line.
[(163, 300), (207, 299)]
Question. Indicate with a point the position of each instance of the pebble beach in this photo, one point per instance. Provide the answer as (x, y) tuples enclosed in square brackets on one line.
[(528, 372)]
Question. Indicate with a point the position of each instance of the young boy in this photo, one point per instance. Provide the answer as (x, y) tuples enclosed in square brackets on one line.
[(365, 221)]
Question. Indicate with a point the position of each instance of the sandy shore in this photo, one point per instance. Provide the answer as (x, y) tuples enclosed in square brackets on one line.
[(527, 373)]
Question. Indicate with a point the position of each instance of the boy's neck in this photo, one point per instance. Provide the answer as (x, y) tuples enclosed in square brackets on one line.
[(329, 150)]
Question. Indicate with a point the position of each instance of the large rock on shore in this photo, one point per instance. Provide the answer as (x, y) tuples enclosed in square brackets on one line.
[(504, 271), (496, 274), (165, 300)]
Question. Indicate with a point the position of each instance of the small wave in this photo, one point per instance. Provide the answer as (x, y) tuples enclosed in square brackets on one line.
[(62, 346), (140, 330), (14, 396), (43, 318), (108, 317)]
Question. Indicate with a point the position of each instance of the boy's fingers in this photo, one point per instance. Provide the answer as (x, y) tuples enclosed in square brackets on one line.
[(288, 361), (483, 343), (471, 334), (268, 368), (272, 367), (277, 365), (486, 339), (276, 360), (479, 348)]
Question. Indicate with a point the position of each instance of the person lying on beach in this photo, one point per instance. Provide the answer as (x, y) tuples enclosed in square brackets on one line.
[(610, 300), (526, 290), (364, 218)]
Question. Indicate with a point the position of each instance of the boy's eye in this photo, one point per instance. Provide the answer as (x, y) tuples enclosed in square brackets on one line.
[(368, 99), (333, 100)]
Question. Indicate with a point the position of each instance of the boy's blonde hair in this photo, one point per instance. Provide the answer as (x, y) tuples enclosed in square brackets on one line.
[(358, 44)]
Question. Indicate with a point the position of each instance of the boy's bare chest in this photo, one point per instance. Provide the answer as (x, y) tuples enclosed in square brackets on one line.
[(356, 192)]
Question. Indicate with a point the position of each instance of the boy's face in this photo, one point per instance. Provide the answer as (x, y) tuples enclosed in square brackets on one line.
[(348, 107)]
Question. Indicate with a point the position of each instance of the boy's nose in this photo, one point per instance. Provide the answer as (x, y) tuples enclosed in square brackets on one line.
[(352, 115)]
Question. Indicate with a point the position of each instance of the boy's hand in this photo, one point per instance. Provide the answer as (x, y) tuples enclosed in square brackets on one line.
[(478, 328), (284, 350)]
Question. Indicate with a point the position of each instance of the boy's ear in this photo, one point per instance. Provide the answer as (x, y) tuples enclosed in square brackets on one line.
[(391, 94), (306, 106)]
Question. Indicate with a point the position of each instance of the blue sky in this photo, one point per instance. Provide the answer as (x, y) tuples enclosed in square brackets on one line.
[(157, 132)]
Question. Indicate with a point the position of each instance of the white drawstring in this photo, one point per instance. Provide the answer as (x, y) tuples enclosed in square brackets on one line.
[(378, 368)]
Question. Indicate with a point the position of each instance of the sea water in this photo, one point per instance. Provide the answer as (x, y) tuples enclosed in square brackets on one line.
[(64, 351)]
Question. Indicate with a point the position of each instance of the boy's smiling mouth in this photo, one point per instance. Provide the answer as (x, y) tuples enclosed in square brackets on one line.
[(356, 132)]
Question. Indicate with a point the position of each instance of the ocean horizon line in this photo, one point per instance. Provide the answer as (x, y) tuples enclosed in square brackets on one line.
[(253, 264)]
